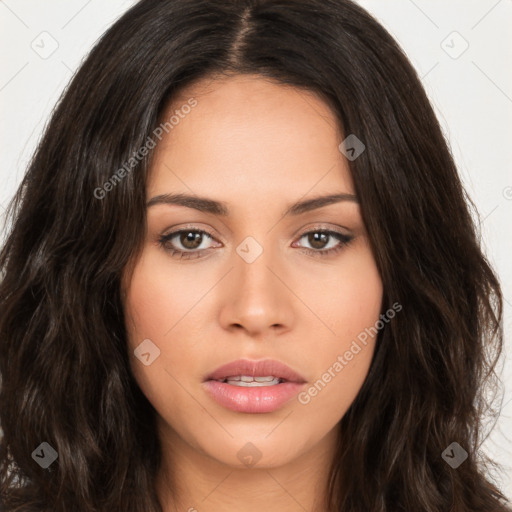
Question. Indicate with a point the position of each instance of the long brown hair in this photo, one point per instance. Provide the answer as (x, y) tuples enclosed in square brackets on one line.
[(64, 365)]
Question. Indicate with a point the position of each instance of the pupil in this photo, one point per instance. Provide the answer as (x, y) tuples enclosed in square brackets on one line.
[(191, 240), (315, 240)]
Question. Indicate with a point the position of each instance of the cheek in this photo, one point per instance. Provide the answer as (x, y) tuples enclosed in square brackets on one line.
[(149, 307), (352, 304), (162, 298), (350, 299), (155, 311), (152, 301)]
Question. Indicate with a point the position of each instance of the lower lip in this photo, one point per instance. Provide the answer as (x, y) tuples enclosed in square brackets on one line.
[(252, 399)]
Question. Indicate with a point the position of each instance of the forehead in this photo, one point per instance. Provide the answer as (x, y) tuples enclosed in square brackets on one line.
[(250, 135)]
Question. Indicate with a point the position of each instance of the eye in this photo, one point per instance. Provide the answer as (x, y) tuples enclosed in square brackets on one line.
[(191, 241), (325, 242)]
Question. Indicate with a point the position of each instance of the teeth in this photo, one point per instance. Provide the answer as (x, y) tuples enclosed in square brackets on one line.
[(249, 381), (253, 384), (264, 379)]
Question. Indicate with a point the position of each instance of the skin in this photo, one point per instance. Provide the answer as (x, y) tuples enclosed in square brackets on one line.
[(258, 146)]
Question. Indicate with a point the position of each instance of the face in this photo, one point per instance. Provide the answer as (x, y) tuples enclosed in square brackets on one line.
[(261, 280)]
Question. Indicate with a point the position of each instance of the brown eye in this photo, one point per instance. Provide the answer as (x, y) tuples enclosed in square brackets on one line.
[(190, 239), (186, 242), (320, 239), (317, 239)]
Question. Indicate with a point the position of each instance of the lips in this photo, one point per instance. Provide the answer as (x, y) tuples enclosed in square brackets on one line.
[(265, 368), (234, 385)]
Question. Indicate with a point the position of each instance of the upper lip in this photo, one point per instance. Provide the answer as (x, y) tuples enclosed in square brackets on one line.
[(262, 368)]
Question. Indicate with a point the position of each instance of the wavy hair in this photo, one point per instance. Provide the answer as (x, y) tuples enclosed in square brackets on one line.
[(64, 363)]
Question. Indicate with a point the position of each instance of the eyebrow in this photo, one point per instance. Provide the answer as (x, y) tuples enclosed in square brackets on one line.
[(204, 204)]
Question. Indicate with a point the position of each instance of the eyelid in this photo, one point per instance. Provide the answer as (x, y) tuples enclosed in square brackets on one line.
[(173, 230), (322, 227)]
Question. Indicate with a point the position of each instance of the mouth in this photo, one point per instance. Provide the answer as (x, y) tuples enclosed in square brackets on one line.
[(245, 371), (253, 386)]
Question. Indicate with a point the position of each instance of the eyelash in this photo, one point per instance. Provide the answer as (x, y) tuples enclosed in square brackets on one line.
[(342, 238)]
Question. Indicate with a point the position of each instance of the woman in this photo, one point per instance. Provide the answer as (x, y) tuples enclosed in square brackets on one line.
[(242, 271)]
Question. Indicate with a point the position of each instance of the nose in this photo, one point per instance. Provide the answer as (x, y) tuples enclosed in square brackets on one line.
[(256, 298)]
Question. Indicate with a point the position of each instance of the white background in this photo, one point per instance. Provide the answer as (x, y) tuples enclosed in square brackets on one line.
[(471, 91)]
